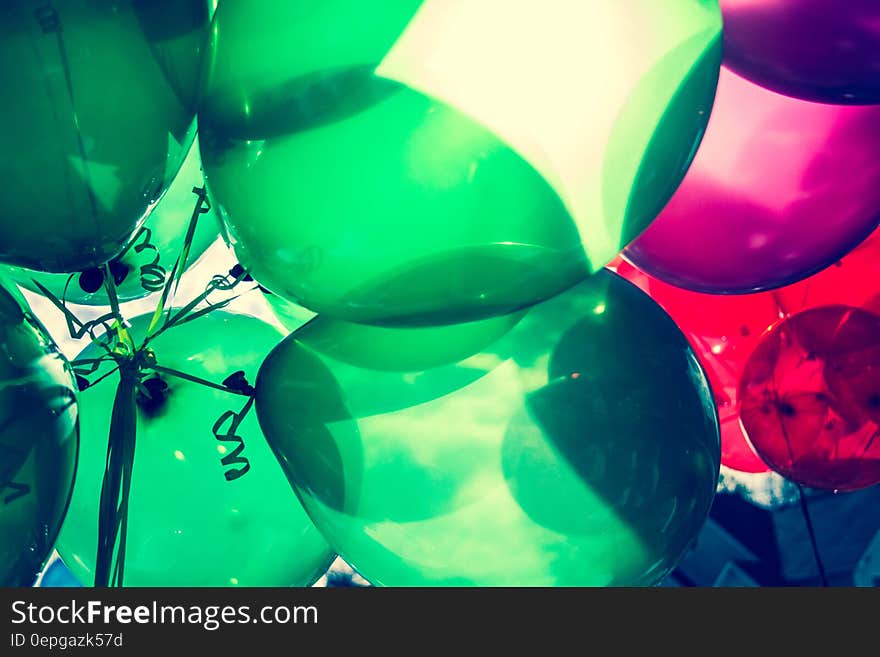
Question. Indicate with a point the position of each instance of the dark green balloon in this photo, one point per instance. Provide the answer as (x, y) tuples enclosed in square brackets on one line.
[(576, 444), (38, 440), (425, 162), (202, 512), (145, 264), (97, 117)]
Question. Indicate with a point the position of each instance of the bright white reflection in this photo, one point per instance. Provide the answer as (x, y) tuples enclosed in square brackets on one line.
[(552, 78)]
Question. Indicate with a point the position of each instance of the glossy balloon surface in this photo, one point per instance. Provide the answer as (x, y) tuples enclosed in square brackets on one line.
[(193, 519), (827, 51), (572, 444), (149, 257), (851, 281), (810, 396), (38, 440), (97, 119), (426, 162), (780, 189)]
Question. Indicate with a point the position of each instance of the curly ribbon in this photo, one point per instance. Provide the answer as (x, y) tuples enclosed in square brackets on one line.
[(235, 382), (153, 277), (189, 313), (233, 458), (153, 274), (78, 329)]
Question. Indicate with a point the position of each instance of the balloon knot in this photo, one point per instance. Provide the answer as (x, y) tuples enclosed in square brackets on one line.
[(91, 280), (238, 382), (237, 271), (119, 271), (152, 395)]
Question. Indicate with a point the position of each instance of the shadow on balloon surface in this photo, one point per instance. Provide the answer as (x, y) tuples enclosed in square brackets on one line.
[(469, 283), (352, 378), (306, 102), (598, 449), (679, 131)]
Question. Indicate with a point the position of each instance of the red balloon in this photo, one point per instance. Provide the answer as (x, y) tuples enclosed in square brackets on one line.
[(810, 398), (725, 330), (779, 189), (852, 281)]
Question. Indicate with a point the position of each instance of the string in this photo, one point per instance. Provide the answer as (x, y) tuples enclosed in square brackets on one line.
[(195, 379), (809, 523), (131, 362)]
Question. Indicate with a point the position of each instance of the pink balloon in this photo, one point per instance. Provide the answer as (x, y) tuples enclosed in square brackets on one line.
[(779, 189)]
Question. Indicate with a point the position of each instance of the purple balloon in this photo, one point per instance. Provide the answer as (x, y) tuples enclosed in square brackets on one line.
[(780, 189), (826, 51)]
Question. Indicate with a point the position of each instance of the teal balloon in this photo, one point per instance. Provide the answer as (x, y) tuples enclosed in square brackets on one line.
[(98, 114), (202, 512), (147, 260), (573, 444), (426, 162), (38, 440)]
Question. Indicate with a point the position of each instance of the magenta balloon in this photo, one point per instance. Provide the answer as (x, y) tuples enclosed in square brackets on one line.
[(827, 51), (780, 189)]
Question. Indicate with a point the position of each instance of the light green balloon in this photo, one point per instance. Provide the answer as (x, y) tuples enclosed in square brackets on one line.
[(575, 444), (194, 521), (424, 162), (288, 314), (145, 264)]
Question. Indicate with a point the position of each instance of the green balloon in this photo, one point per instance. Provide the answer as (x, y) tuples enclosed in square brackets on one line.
[(95, 125), (38, 440), (424, 162), (201, 513), (288, 314), (176, 32), (576, 444), (143, 267)]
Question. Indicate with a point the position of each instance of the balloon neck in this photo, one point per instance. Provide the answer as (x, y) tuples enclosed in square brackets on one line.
[(119, 270), (92, 280), (238, 381), (152, 396)]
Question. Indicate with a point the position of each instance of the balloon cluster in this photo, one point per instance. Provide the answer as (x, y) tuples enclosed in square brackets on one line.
[(109, 206), (545, 267)]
